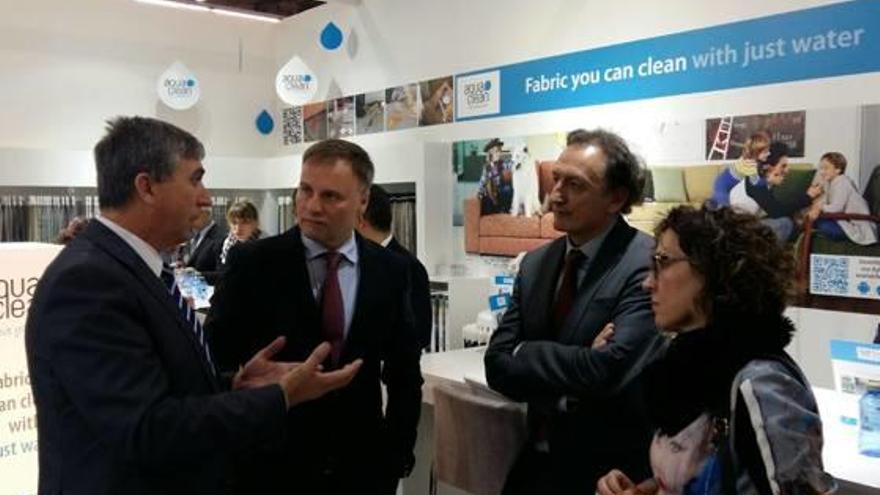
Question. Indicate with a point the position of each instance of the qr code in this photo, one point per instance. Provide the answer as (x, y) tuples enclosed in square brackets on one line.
[(292, 125), (829, 275)]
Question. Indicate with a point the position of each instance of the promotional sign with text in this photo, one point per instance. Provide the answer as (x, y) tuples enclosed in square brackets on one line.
[(23, 265), (835, 40)]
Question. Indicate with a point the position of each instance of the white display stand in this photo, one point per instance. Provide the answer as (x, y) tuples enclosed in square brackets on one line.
[(21, 266), (467, 297)]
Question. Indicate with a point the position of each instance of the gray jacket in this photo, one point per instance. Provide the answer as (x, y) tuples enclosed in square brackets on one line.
[(776, 404)]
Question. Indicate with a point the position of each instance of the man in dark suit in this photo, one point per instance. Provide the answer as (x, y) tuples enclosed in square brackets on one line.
[(376, 226), (127, 397), (206, 232), (323, 281), (585, 409)]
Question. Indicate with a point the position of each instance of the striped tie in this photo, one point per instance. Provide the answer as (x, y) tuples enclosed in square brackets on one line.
[(187, 313)]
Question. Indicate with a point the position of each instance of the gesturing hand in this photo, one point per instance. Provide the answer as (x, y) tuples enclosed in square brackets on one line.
[(261, 370), (306, 382)]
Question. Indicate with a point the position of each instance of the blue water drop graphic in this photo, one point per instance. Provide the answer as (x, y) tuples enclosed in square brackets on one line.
[(265, 124), (331, 36), (307, 77), (190, 82), (487, 85), (864, 288)]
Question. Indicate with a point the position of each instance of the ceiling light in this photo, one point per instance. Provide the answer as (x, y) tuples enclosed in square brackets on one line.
[(189, 5), (175, 5), (244, 15)]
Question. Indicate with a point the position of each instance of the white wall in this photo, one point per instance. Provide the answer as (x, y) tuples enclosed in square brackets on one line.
[(68, 66), (811, 346)]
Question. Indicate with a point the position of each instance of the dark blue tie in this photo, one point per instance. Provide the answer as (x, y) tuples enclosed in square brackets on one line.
[(187, 312)]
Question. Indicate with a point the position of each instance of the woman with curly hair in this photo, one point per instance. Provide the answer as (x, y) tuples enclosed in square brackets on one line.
[(733, 412)]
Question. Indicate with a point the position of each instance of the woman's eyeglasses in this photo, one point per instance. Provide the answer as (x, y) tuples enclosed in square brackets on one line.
[(663, 261)]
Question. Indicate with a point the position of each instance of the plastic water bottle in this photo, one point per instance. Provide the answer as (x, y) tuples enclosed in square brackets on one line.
[(869, 412)]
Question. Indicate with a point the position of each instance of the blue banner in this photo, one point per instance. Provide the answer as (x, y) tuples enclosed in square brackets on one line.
[(858, 352), (835, 40)]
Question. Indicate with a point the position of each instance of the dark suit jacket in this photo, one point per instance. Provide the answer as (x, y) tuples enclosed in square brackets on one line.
[(608, 428), (208, 260), (420, 293), (200, 256), (126, 402), (266, 292)]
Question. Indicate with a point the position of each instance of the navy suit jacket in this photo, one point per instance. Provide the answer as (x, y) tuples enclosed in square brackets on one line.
[(265, 293), (204, 256), (126, 401)]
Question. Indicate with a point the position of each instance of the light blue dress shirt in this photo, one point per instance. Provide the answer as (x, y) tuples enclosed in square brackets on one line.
[(348, 273)]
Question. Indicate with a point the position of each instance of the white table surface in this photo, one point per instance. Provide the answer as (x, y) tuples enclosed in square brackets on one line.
[(840, 453), (451, 366)]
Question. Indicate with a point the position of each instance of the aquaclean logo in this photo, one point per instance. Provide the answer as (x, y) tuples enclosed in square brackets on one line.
[(478, 94), (297, 82), (15, 296), (182, 88)]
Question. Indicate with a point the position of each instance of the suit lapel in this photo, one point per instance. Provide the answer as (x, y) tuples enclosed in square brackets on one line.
[(107, 240), (609, 254), (294, 274), (205, 240), (543, 292), (367, 297)]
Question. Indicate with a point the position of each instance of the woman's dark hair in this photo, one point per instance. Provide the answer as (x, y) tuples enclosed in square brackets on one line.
[(747, 273), (242, 210), (73, 229)]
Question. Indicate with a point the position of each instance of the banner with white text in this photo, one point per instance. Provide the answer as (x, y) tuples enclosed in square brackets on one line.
[(835, 40)]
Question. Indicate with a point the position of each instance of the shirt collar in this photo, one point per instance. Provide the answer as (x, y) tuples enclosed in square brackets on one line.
[(315, 249), (387, 241), (147, 252), (591, 247)]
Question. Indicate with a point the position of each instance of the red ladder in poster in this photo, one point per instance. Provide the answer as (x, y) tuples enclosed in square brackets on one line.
[(722, 139)]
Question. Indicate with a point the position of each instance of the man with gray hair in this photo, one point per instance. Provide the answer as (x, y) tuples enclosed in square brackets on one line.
[(323, 281), (128, 398)]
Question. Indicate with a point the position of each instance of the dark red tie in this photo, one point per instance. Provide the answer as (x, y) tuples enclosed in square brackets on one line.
[(332, 309), (567, 289)]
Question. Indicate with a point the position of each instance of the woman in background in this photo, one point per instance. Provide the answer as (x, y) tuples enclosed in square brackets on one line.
[(244, 226), (73, 228), (733, 412)]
